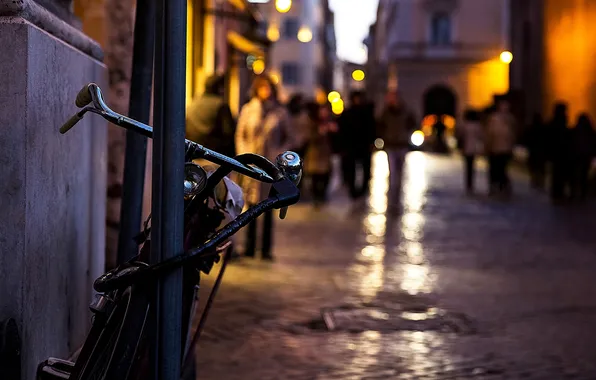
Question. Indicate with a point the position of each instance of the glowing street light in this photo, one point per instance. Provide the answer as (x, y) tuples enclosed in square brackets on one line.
[(506, 57), (304, 34), (333, 96), (258, 66), (283, 6), (358, 75), (273, 32), (417, 138), (337, 107)]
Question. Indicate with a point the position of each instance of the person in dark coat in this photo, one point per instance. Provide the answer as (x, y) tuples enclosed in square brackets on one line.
[(209, 120), (560, 153), (357, 131), (583, 147)]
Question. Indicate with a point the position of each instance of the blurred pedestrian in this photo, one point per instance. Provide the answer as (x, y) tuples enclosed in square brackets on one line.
[(471, 142), (262, 129), (317, 161), (357, 130), (583, 144), (299, 124), (209, 120), (439, 138), (299, 129), (395, 125), (537, 144), (560, 153), (499, 142)]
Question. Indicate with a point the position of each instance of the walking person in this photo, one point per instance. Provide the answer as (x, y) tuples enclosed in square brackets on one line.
[(471, 143), (537, 144), (209, 120), (583, 147), (395, 126), (317, 161), (560, 154), (357, 129), (500, 141), (262, 129), (299, 128)]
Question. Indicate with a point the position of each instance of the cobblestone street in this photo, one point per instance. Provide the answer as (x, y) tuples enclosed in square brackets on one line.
[(452, 288)]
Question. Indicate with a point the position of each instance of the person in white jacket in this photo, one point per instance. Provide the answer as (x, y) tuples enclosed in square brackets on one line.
[(262, 128), (500, 141), (471, 142)]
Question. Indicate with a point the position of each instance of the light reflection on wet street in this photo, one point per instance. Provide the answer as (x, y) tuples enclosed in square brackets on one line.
[(452, 287)]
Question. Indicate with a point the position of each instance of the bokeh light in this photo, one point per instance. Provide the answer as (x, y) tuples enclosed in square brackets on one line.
[(258, 66), (506, 57), (417, 138), (283, 6), (304, 34), (337, 107), (273, 32), (358, 75), (333, 96)]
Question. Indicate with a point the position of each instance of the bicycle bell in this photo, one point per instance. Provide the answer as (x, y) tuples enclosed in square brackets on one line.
[(290, 165), (195, 180)]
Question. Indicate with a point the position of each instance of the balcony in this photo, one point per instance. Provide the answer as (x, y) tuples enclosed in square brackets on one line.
[(417, 51)]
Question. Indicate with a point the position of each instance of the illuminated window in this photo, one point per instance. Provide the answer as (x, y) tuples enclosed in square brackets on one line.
[(440, 28), (290, 72), (291, 26)]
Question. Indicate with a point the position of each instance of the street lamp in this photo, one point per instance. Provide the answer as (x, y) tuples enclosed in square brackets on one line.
[(258, 66), (358, 75), (273, 32), (283, 6), (304, 34), (506, 57), (333, 96), (337, 107)]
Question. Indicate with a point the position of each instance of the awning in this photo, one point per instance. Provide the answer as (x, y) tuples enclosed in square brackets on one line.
[(244, 45)]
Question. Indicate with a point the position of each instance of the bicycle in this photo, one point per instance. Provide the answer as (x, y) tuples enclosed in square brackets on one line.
[(116, 346)]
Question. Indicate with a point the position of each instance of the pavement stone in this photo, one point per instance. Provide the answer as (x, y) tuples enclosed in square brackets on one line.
[(454, 287)]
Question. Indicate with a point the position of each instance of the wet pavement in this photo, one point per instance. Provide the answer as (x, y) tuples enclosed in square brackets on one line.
[(452, 288)]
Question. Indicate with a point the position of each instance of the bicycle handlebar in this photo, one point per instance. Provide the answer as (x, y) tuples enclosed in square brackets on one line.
[(84, 96), (90, 97)]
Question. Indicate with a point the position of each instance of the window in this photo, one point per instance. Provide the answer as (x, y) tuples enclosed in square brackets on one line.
[(290, 73), (440, 28), (290, 28)]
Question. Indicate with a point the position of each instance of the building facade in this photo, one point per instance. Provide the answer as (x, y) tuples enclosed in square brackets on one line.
[(554, 60), (306, 49), (442, 55)]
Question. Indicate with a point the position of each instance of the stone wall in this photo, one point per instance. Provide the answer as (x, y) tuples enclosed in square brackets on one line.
[(52, 186)]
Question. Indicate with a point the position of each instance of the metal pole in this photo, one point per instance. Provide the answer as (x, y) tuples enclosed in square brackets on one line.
[(168, 179), (133, 185)]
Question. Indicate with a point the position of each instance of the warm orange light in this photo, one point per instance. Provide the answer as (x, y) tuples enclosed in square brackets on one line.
[(274, 78), (448, 121), (273, 33), (429, 120), (320, 96), (283, 6), (506, 57), (358, 75)]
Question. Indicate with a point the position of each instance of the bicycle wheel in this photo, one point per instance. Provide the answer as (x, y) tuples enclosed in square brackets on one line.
[(113, 353)]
